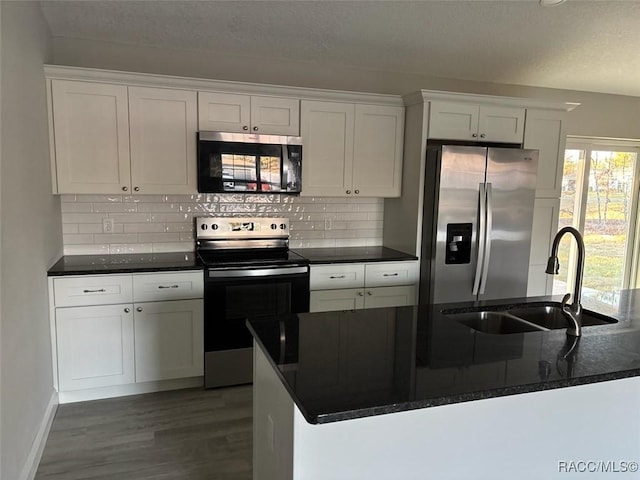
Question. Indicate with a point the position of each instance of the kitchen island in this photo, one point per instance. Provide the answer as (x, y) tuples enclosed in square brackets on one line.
[(411, 393)]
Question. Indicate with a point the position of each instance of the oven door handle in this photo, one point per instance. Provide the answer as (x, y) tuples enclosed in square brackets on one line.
[(257, 272)]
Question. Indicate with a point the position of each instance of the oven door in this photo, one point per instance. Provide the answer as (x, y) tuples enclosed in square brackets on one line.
[(232, 296)]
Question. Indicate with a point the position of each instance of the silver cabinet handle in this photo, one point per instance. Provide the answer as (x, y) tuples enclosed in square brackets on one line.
[(127, 310), (100, 290), (136, 189), (482, 135), (369, 293), (168, 286), (357, 192), (474, 135), (255, 129), (245, 127), (333, 277), (124, 189), (360, 294), (389, 274), (348, 192), (139, 309)]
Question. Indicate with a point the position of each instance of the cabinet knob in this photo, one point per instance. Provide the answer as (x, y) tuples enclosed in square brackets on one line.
[(136, 189), (482, 135), (127, 310), (245, 127), (139, 309), (255, 129), (360, 294), (124, 189), (357, 192), (474, 135), (348, 192), (369, 293)]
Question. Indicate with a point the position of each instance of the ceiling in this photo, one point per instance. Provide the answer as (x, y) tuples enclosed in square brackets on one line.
[(578, 45)]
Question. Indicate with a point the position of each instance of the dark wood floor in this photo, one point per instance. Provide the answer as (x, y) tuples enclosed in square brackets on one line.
[(192, 434)]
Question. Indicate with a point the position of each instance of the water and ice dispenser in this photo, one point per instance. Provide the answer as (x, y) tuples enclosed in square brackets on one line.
[(458, 243)]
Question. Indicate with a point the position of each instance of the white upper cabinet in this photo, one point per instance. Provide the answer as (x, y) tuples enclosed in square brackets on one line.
[(118, 139), (228, 112), (163, 127), (91, 135), (351, 149), (468, 121), (545, 132)]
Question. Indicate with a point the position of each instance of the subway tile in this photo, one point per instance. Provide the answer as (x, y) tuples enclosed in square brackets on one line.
[(322, 243), (230, 198), (199, 207), (86, 249), (301, 226), (341, 234), (159, 207), (364, 200), (308, 234), (116, 238), (77, 239), (129, 217), (350, 242), (368, 207), (171, 217), (365, 224), (379, 215), (342, 207), (179, 227), (99, 198), (187, 237), (115, 249), (69, 228), (147, 227), (67, 207), (238, 207), (262, 198), (350, 216), (368, 233), (82, 218), (90, 228), (173, 247), (274, 208), (374, 242), (114, 207), (158, 237), (67, 198), (195, 198), (143, 198)]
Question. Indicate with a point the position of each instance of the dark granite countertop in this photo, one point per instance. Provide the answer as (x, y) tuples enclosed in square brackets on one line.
[(352, 254), (129, 263), (346, 365)]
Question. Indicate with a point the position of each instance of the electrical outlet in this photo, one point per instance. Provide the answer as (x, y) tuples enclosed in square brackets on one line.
[(107, 225)]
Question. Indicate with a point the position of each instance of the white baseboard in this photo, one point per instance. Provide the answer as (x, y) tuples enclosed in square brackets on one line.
[(35, 454)]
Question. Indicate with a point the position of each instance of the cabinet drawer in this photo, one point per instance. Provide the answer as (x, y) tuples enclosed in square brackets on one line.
[(336, 300), (390, 296), (343, 275), (391, 273), (91, 290), (153, 287)]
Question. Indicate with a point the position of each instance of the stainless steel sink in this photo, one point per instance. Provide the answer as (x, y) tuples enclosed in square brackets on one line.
[(497, 323), (524, 319), (551, 317)]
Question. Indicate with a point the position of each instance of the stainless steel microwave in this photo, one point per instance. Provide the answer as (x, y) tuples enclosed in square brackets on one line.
[(248, 163)]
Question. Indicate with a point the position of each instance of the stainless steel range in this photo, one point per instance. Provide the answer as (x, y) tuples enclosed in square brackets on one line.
[(249, 273)]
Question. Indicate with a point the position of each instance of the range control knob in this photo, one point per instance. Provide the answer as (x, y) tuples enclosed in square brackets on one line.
[(214, 226), (273, 226), (204, 226), (283, 226)]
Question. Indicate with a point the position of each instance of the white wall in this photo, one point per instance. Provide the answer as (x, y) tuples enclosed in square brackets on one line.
[(599, 115), (31, 237)]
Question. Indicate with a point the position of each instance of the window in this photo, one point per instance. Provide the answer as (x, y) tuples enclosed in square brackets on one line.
[(599, 198)]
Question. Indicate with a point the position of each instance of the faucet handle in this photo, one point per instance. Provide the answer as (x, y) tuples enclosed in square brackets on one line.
[(565, 299)]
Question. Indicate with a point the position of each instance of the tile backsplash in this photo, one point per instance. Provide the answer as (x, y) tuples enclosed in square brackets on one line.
[(164, 223)]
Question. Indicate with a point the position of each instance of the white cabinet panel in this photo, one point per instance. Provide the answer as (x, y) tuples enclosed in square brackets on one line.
[(545, 225), (163, 126), (377, 154), (334, 276), (501, 124), (168, 340), (155, 287), (390, 296), (391, 273), (92, 290), (327, 137), (545, 132), (228, 112), (335, 300), (91, 137), (95, 346)]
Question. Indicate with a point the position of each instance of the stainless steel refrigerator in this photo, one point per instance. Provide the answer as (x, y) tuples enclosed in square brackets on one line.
[(478, 215)]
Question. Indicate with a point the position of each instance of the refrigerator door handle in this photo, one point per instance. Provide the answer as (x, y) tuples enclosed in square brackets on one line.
[(482, 233), (487, 243)]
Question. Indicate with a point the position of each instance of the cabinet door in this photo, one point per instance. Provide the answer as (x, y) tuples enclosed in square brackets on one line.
[(501, 124), (545, 225), (163, 124), (327, 135), (95, 346), (168, 340), (453, 121), (91, 133), (275, 116), (335, 300), (377, 150), (390, 296), (545, 132), (224, 112)]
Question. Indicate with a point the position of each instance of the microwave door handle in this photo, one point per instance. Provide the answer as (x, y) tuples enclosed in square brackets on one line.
[(487, 253), (482, 229)]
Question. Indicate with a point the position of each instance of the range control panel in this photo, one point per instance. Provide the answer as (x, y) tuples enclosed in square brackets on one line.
[(242, 227)]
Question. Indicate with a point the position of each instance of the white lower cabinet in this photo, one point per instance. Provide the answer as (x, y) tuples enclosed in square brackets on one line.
[(380, 284), (95, 346), (168, 340), (112, 349)]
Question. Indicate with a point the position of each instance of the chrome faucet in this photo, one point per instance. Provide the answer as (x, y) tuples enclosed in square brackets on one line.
[(572, 312)]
